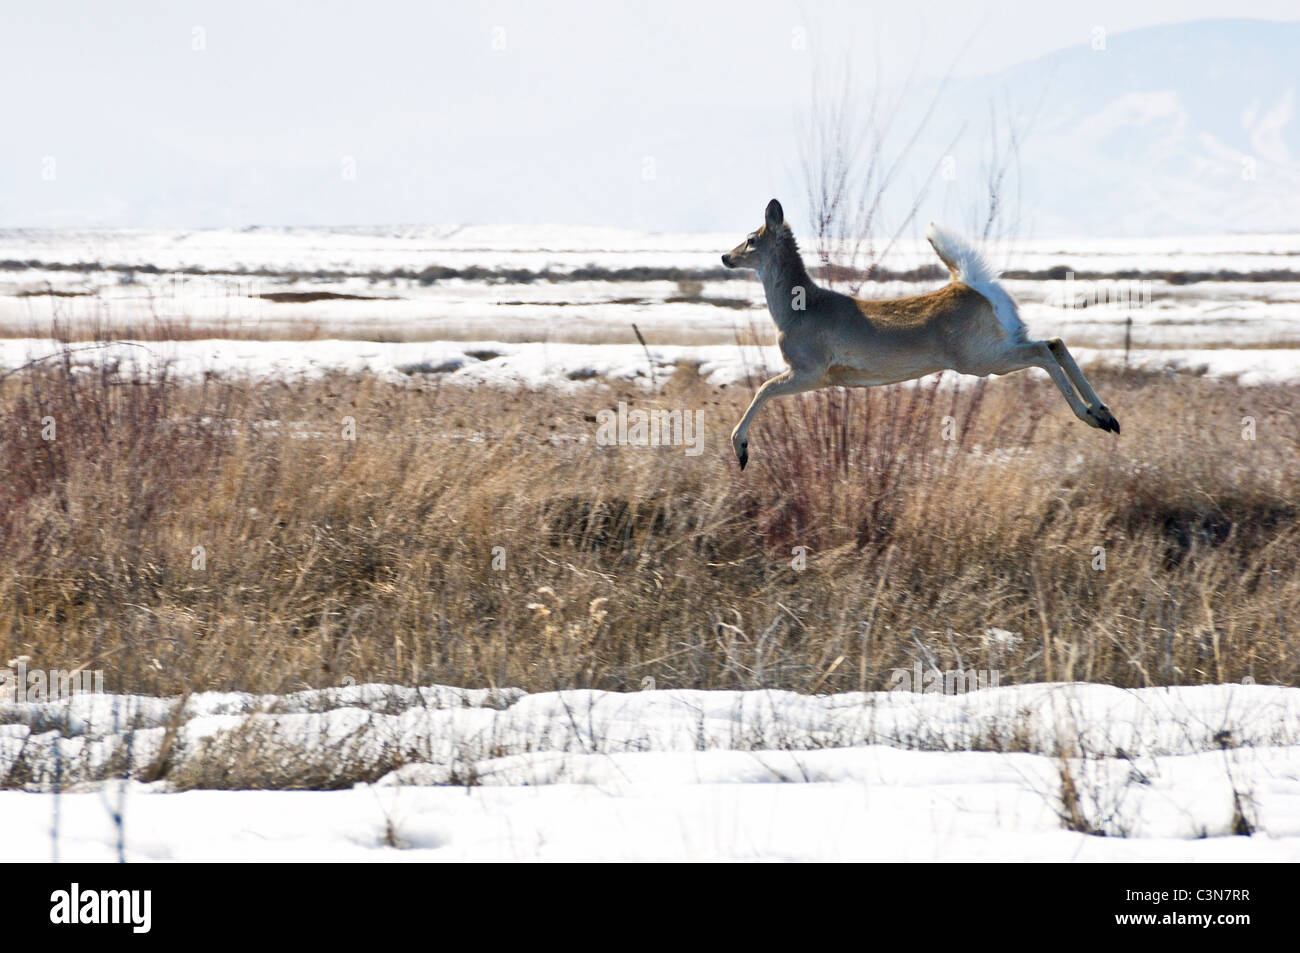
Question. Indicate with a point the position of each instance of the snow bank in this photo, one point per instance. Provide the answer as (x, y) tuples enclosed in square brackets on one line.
[(555, 365), (459, 774)]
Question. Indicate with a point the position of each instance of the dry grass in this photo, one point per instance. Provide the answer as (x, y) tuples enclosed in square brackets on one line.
[(328, 558)]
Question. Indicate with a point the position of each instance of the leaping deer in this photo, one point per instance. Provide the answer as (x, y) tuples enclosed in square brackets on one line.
[(829, 339)]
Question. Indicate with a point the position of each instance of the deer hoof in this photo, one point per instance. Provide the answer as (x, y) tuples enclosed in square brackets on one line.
[(1103, 419)]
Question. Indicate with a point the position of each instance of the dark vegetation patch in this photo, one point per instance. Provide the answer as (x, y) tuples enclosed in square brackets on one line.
[(737, 303), (435, 273), (307, 296)]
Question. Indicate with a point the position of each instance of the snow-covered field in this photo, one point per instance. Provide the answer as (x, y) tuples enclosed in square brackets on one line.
[(543, 332), (559, 365), (1030, 772), (565, 247), (1165, 774), (337, 283)]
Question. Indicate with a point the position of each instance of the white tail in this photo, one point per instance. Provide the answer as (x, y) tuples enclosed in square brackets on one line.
[(971, 268)]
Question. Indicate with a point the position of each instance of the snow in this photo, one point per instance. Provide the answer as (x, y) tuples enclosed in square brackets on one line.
[(1221, 314), (460, 774), (674, 775), (543, 364), (564, 247)]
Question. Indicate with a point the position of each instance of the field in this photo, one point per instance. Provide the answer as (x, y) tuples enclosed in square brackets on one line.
[(288, 510)]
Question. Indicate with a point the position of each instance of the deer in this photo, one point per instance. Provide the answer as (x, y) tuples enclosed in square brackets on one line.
[(827, 339)]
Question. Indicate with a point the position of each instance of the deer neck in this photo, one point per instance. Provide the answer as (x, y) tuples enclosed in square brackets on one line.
[(787, 286)]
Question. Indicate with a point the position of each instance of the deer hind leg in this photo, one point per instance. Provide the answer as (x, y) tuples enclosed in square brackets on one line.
[(783, 384), (1095, 406), (1042, 354)]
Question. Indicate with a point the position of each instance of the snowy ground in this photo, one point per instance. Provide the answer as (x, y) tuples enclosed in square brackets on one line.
[(328, 283), (558, 365), (1166, 774), (564, 247)]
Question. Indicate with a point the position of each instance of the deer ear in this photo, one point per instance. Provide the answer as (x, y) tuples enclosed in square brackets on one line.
[(774, 215)]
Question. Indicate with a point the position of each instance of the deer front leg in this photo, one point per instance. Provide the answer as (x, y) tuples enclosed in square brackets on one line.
[(779, 386)]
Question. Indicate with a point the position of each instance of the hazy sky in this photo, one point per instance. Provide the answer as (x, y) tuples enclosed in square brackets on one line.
[(660, 115)]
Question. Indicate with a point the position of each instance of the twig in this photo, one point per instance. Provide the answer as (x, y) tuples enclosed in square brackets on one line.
[(70, 350), (648, 360)]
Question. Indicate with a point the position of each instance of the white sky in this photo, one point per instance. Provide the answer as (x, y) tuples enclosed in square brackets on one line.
[(262, 124)]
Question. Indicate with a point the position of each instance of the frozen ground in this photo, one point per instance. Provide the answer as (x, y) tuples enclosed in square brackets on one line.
[(337, 283), (1166, 774), (557, 364), (563, 247)]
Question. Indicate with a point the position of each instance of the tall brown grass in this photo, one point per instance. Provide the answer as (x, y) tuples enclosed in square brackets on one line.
[(872, 529)]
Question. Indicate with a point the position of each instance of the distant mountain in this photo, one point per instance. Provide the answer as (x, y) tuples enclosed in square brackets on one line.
[(1182, 129)]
